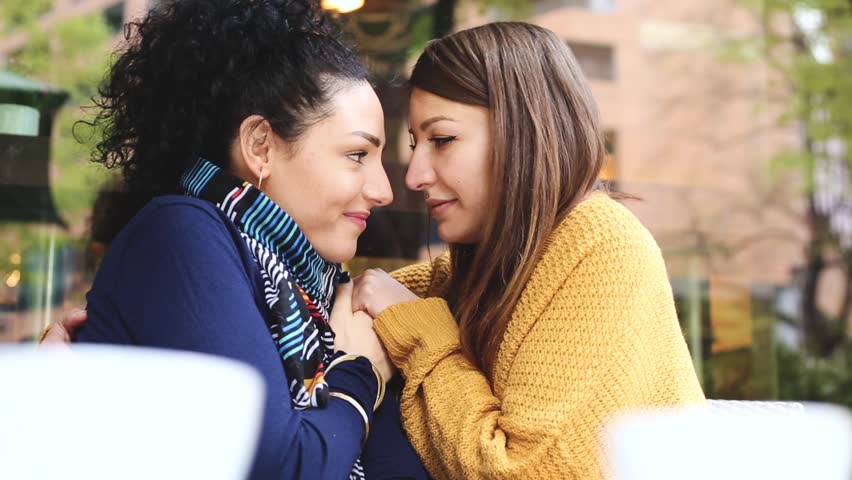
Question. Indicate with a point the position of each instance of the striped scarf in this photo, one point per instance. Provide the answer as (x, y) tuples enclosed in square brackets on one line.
[(298, 284)]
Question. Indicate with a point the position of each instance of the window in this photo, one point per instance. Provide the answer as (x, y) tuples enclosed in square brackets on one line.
[(114, 17), (596, 5), (597, 61)]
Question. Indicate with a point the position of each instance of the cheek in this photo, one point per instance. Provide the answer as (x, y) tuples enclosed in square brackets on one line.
[(315, 193), (327, 184), (332, 234), (476, 191), (327, 199), (475, 186), (337, 191), (472, 181)]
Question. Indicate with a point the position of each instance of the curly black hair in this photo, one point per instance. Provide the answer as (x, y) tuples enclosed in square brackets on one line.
[(193, 70)]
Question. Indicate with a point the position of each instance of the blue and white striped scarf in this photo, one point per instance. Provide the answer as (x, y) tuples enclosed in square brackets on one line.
[(298, 284)]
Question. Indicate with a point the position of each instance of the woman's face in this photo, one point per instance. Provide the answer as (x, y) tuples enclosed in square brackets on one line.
[(451, 164), (331, 178)]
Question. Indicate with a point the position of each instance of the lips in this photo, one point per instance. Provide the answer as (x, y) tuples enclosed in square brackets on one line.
[(439, 206), (358, 218)]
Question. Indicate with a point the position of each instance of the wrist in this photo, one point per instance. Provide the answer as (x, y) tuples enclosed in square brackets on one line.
[(380, 378)]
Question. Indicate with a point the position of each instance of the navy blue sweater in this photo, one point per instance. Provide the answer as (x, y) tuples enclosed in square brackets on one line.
[(179, 276)]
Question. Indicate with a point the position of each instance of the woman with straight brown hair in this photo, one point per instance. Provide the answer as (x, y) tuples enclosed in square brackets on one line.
[(553, 309)]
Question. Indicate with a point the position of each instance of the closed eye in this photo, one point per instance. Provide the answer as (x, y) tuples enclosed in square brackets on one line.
[(357, 157), (442, 141)]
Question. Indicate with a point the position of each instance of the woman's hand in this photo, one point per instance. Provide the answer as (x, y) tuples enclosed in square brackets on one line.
[(63, 331), (375, 291), (354, 332)]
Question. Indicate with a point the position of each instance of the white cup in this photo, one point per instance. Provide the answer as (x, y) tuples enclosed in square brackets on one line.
[(109, 412)]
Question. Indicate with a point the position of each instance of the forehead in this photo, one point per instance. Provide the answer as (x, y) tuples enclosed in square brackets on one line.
[(423, 101), (357, 107), (424, 107)]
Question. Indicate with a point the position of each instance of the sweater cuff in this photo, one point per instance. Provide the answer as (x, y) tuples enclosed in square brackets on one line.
[(418, 331)]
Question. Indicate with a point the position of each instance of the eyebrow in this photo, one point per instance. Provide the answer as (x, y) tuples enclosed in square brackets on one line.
[(369, 137), (430, 121)]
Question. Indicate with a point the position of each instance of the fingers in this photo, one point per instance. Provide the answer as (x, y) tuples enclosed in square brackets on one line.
[(365, 288), (56, 335), (358, 294), (74, 320), (64, 329), (342, 306)]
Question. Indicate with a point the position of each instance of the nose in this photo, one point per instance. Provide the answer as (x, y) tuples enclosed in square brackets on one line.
[(377, 188), (420, 173)]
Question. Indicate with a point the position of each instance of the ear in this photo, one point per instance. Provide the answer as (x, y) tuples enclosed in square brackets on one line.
[(255, 142)]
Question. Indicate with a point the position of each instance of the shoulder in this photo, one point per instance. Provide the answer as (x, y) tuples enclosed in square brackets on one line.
[(601, 227), (177, 222), (172, 211), (173, 230), (599, 246)]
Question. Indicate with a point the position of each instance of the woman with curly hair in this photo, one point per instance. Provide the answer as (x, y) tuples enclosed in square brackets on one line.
[(257, 138)]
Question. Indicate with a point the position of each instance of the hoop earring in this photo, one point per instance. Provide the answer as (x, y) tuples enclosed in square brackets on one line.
[(260, 178)]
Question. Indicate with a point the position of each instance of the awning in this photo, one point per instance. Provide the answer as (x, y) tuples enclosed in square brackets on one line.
[(24, 174)]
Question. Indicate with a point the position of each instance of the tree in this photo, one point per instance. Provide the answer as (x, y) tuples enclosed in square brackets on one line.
[(814, 58)]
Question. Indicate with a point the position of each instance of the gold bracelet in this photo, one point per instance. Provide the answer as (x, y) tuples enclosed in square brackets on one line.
[(44, 333), (343, 358), (380, 379), (380, 395), (358, 407)]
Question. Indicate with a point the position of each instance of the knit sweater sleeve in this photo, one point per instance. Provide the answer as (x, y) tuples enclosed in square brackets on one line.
[(607, 340), (424, 278)]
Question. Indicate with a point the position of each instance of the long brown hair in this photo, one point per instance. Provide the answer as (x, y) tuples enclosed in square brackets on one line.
[(547, 153)]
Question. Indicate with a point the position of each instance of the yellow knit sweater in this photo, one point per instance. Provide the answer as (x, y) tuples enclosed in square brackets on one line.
[(594, 332)]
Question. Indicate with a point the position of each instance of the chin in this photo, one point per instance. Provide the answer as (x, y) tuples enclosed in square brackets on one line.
[(339, 253), (449, 235)]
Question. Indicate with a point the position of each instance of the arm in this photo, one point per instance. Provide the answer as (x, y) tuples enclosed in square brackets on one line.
[(388, 454), (598, 347), (180, 283)]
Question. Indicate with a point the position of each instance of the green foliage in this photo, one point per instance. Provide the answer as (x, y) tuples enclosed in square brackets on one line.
[(15, 14), (796, 161), (805, 377), (421, 34), (422, 28), (509, 9), (822, 83)]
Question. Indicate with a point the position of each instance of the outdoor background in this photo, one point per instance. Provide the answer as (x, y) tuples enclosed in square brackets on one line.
[(731, 120)]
